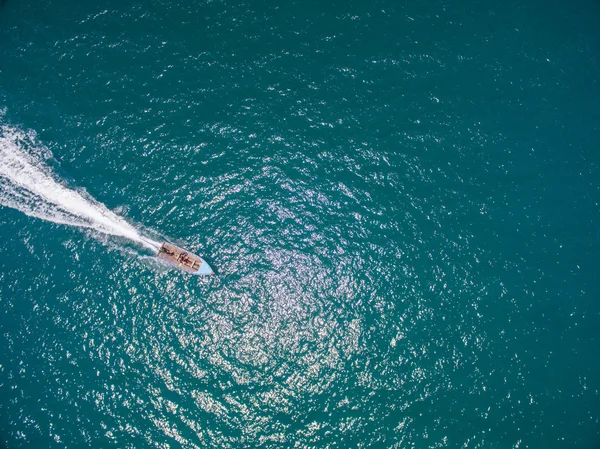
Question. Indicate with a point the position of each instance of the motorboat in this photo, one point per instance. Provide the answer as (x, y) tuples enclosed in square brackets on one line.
[(185, 260)]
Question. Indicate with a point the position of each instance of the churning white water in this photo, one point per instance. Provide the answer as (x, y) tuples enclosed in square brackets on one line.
[(29, 185)]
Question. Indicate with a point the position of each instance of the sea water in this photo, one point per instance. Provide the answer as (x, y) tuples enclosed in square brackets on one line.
[(401, 201)]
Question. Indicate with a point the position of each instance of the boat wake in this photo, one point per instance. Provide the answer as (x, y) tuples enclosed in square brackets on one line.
[(29, 185)]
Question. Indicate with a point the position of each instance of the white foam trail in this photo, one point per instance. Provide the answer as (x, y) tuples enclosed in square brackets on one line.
[(29, 185)]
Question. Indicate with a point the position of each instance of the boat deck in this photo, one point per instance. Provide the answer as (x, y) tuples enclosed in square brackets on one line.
[(179, 257)]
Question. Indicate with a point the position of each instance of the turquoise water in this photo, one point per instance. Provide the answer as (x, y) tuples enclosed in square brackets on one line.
[(401, 201)]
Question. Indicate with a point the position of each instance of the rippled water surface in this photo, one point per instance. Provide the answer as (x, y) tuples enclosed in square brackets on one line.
[(401, 201)]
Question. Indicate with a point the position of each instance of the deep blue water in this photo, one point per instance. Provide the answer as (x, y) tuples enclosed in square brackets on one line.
[(401, 200)]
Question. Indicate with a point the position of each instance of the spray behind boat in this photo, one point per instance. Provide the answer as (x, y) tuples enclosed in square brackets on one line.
[(29, 185)]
